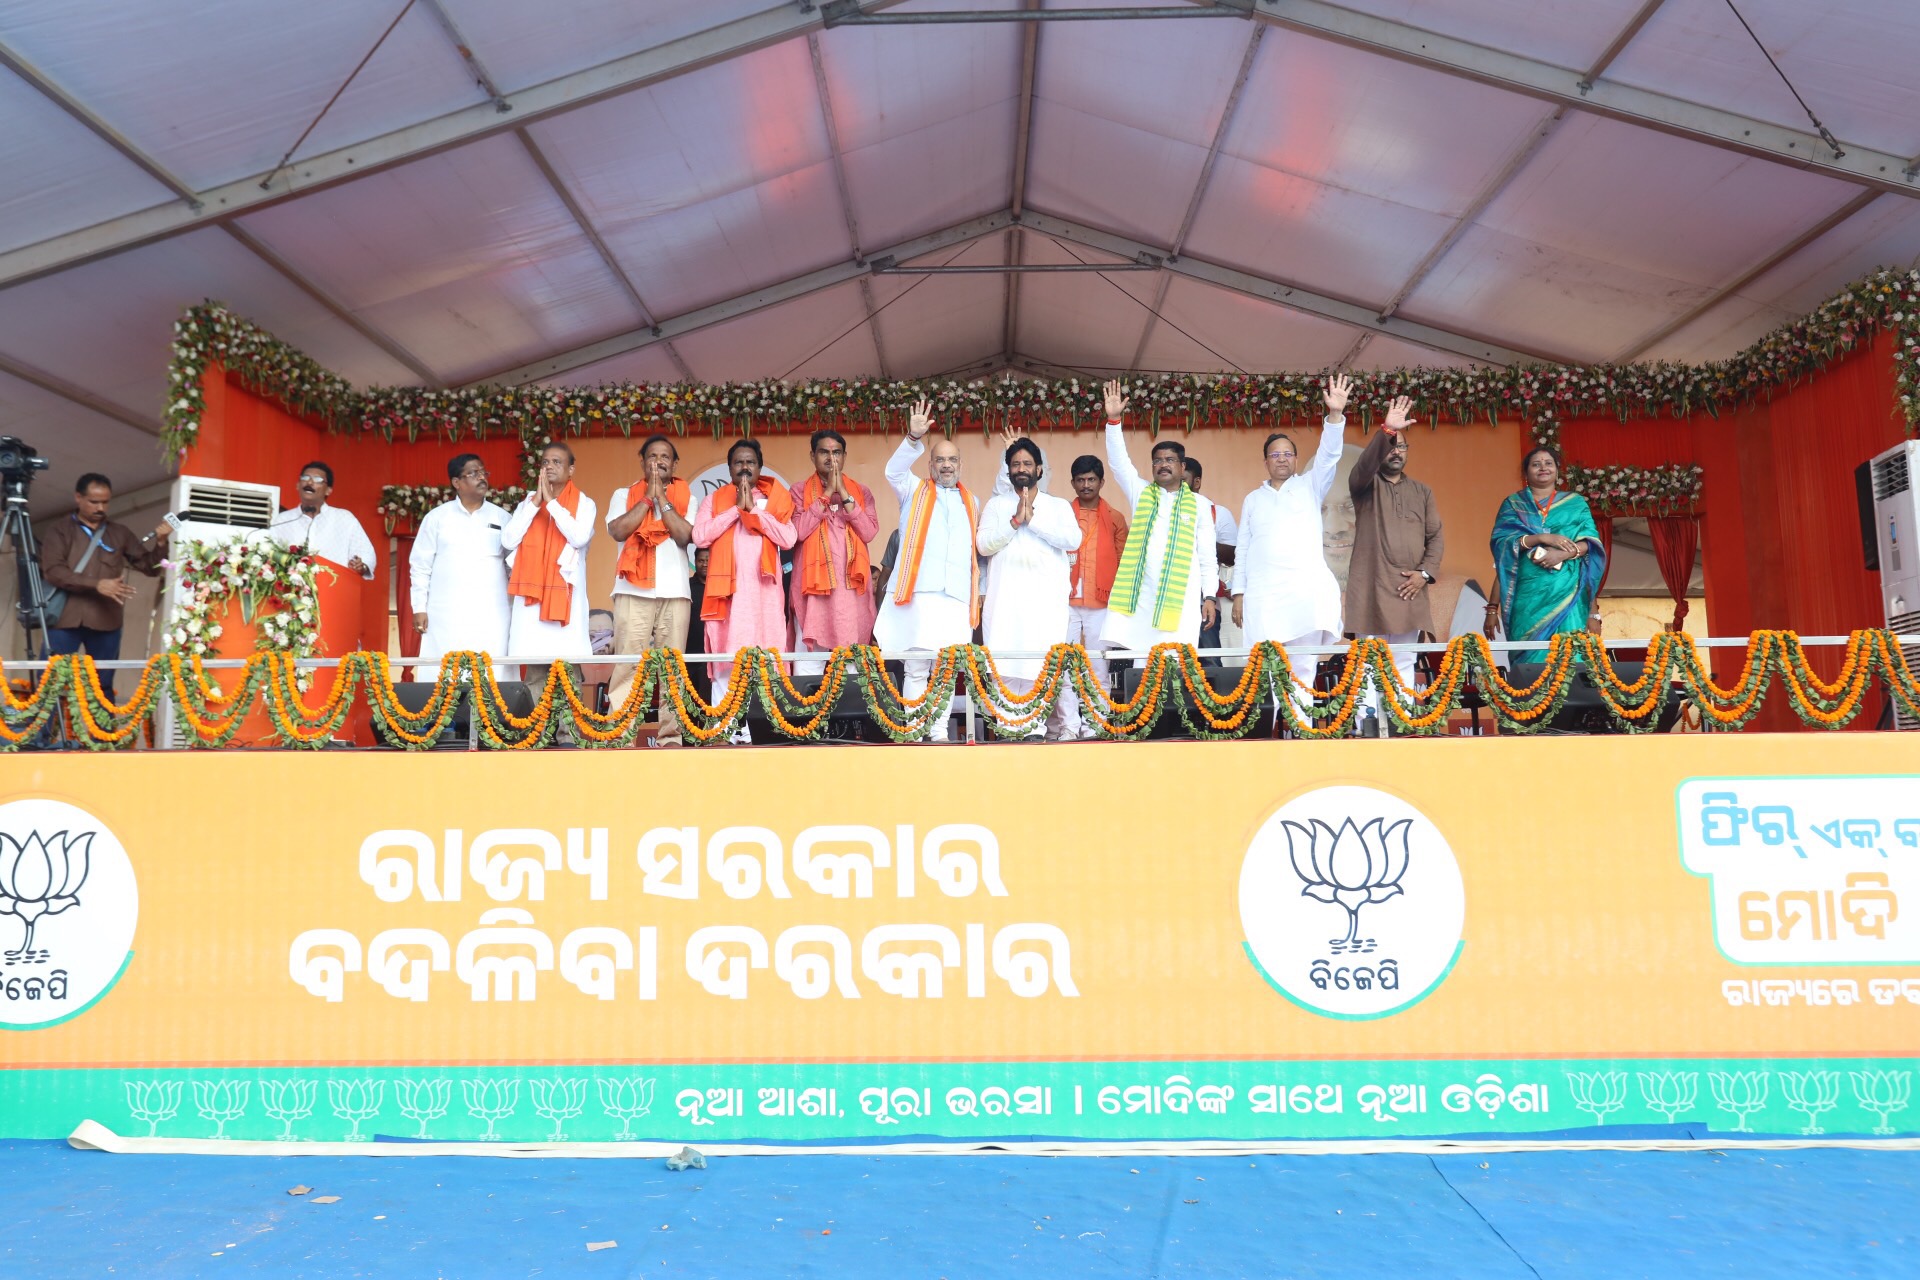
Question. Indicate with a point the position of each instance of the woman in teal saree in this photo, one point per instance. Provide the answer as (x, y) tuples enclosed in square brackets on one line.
[(1548, 556)]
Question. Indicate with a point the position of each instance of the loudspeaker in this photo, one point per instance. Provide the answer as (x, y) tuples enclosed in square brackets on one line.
[(1863, 494), (1584, 710), (414, 696), (848, 723), (1222, 680)]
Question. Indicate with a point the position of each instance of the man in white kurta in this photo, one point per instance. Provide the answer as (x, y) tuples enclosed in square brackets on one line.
[(1135, 624), (528, 632), (930, 597), (327, 532), (1028, 538), (458, 573), (1283, 590)]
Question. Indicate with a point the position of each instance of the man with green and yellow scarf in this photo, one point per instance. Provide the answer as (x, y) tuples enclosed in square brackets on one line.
[(1164, 589)]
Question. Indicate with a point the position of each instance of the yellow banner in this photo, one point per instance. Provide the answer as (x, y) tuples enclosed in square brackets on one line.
[(1271, 903)]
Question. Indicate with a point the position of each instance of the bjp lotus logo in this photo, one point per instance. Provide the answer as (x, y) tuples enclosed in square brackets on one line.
[(1369, 854), (68, 882), (1351, 867), (40, 876)]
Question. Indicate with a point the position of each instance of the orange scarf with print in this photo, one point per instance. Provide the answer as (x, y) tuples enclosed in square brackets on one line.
[(536, 564), (721, 573), (816, 558), (913, 545), (637, 552)]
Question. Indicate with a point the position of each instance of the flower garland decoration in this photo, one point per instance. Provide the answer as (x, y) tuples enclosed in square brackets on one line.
[(260, 572), (406, 505), (1542, 395), (1668, 490), (1673, 668)]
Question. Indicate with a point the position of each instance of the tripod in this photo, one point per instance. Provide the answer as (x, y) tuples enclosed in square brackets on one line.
[(31, 605)]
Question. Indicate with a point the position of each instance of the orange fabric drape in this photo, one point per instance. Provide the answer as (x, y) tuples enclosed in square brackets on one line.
[(536, 564)]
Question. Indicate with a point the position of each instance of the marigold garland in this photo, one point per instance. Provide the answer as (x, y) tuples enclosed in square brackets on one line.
[(71, 683)]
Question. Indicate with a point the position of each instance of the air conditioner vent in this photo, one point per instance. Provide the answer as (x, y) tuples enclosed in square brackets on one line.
[(240, 508)]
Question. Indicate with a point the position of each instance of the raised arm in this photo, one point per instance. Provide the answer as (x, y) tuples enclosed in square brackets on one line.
[(1326, 458), (900, 468), (1118, 462)]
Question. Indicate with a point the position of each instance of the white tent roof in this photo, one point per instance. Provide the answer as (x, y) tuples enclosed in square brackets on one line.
[(596, 190)]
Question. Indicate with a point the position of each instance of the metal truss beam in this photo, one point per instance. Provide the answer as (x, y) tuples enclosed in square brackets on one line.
[(1503, 177), (1292, 296), (838, 158), (555, 97), (748, 303), (58, 386), (1567, 87), (1200, 188)]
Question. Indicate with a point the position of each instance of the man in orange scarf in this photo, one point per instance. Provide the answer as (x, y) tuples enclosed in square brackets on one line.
[(546, 545), (1103, 536), (652, 520), (747, 525), (835, 518), (934, 595)]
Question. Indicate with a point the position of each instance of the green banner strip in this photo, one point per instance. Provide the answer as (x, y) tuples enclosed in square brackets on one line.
[(1119, 1101)]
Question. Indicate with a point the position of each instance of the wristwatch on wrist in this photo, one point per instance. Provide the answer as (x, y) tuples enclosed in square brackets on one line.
[(1429, 577)]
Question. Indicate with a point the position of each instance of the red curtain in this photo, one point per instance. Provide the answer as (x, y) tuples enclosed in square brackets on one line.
[(403, 589), (1676, 540)]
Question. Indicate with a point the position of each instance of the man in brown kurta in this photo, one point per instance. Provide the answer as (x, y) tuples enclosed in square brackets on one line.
[(1397, 545), (97, 590)]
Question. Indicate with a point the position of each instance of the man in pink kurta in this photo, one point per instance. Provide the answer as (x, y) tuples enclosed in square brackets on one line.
[(744, 605), (834, 519)]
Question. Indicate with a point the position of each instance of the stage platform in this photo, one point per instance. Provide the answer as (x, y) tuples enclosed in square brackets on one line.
[(1549, 1215)]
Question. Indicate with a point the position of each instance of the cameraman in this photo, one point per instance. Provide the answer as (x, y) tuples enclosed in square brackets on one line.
[(87, 556)]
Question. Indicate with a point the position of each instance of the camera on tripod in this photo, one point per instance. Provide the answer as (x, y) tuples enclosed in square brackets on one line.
[(18, 461)]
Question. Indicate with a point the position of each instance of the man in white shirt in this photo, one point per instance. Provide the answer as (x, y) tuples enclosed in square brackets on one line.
[(326, 532), (652, 520), (1283, 590), (459, 572), (1164, 589), (934, 600), (546, 543), (1028, 537)]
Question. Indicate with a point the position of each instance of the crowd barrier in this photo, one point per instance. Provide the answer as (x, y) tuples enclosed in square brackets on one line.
[(284, 690)]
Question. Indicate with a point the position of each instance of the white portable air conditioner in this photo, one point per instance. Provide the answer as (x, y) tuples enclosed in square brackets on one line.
[(1896, 523), (210, 511)]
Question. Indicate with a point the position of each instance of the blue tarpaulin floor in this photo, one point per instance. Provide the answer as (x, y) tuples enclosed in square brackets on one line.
[(1747, 1213)]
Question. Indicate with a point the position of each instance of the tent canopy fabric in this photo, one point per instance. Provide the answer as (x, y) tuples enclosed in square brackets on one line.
[(653, 190)]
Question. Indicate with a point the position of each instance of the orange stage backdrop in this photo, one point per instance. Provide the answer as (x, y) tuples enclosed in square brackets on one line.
[(1779, 528)]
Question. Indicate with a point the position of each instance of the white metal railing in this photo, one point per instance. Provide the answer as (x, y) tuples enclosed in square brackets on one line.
[(965, 702), (907, 655)]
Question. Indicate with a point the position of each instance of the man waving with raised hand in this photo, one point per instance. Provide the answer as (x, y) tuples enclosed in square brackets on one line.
[(1164, 588)]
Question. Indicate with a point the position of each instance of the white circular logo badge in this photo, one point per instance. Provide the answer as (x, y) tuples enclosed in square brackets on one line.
[(1352, 903), (68, 904)]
